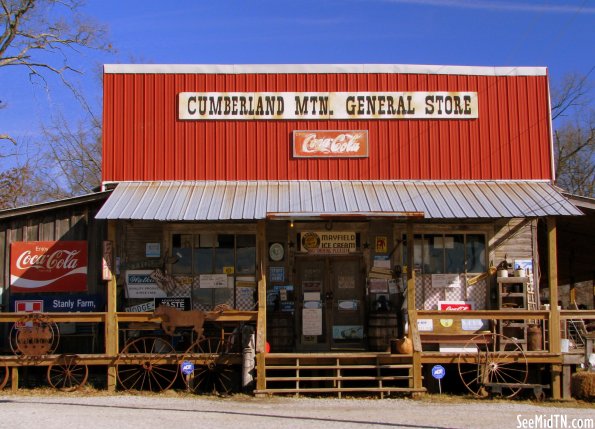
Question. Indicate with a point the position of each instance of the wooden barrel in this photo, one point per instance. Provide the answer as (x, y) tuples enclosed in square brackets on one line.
[(382, 327)]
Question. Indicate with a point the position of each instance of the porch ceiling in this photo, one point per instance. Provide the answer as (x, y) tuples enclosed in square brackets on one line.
[(252, 200)]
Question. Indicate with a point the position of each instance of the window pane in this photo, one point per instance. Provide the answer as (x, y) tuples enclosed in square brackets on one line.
[(475, 253), (417, 252), (454, 249), (202, 299), (182, 250), (435, 262), (203, 261), (246, 254), (224, 254)]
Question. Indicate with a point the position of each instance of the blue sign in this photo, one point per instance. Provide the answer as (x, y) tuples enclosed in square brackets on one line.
[(187, 367), (62, 302), (438, 372)]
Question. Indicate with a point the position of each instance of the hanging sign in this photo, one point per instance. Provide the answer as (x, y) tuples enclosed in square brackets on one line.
[(333, 242), (326, 105), (48, 266)]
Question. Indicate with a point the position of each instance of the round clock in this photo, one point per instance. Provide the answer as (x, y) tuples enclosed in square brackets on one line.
[(276, 252)]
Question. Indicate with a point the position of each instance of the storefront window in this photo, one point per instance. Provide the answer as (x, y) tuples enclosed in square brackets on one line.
[(447, 253), (211, 253)]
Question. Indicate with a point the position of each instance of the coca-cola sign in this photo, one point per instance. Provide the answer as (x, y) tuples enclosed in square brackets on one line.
[(455, 305), (330, 144), (48, 266)]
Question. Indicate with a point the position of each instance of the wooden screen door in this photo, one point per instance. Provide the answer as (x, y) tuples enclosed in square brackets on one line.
[(330, 303)]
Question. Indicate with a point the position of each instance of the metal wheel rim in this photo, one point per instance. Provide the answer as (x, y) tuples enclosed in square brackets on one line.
[(34, 318), (491, 366), (210, 375), (149, 375), (67, 375)]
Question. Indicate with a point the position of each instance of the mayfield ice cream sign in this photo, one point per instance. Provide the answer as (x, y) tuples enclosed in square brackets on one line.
[(48, 266)]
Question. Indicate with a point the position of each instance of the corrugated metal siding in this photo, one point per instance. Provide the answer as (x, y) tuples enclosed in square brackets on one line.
[(143, 140), (218, 200)]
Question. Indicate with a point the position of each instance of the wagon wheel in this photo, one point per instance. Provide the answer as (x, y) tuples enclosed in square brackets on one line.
[(3, 375), (67, 374), (488, 365), (211, 373), (151, 373), (34, 335)]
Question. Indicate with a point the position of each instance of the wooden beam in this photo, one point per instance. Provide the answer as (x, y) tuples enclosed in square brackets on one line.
[(412, 313), (554, 328), (261, 325), (111, 321)]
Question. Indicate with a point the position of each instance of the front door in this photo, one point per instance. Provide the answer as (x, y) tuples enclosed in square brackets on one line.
[(330, 302)]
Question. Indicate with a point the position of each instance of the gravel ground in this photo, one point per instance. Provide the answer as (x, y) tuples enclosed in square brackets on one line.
[(169, 411)]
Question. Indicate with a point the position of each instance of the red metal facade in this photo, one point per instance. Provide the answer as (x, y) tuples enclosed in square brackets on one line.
[(144, 140)]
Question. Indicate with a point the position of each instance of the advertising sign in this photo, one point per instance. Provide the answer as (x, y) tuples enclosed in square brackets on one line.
[(334, 242), (181, 303), (330, 144), (77, 302), (48, 266), (140, 284)]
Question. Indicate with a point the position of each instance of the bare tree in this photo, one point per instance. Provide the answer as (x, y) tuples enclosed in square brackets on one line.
[(573, 114), (40, 37)]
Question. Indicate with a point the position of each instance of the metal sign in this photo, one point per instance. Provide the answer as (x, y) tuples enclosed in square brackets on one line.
[(181, 303), (330, 144), (187, 367), (438, 372), (48, 266)]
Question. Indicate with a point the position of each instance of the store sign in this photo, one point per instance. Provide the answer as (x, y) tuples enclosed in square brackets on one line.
[(326, 105), (59, 303), (330, 144), (328, 242), (48, 266)]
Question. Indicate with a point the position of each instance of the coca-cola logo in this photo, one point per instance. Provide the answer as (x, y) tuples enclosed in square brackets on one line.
[(343, 143), (48, 266), (59, 259), (462, 307), (329, 144)]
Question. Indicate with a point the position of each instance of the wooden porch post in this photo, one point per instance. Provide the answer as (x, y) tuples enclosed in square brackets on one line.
[(554, 328), (261, 324), (412, 312), (111, 322)]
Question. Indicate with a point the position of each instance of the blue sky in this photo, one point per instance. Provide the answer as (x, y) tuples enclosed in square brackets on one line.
[(558, 34)]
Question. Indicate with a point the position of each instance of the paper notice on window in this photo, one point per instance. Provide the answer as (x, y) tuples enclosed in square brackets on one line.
[(312, 321), (214, 281)]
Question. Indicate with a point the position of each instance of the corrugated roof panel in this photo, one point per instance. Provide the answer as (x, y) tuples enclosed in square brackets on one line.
[(464, 207), (448, 208), (474, 203), (237, 211), (180, 201), (193, 204), (491, 205), (237, 200)]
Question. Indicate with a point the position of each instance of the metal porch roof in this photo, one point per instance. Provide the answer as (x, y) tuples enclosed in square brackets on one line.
[(251, 200)]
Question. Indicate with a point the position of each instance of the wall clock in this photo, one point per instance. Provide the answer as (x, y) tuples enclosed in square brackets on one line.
[(276, 252)]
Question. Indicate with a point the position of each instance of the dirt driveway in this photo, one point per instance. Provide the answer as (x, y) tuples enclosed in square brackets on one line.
[(165, 411)]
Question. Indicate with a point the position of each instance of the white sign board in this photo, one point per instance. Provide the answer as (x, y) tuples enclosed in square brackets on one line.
[(326, 105), (444, 281), (213, 281), (139, 284), (312, 321)]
